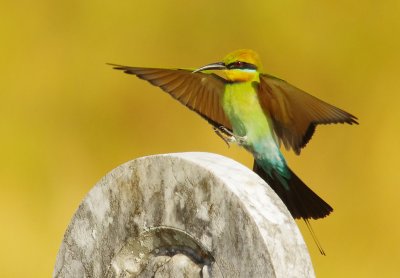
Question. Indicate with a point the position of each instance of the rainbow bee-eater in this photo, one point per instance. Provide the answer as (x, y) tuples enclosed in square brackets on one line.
[(258, 111)]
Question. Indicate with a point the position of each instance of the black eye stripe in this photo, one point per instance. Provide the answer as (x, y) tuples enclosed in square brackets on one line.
[(241, 65)]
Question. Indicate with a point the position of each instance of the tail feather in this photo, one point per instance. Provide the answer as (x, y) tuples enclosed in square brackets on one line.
[(319, 246), (300, 200)]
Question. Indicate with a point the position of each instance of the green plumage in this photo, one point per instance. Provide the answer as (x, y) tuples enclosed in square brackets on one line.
[(242, 107)]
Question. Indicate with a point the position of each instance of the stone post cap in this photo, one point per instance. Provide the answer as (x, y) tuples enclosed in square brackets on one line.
[(182, 215)]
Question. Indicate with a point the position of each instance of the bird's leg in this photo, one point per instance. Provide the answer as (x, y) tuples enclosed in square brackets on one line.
[(229, 137)]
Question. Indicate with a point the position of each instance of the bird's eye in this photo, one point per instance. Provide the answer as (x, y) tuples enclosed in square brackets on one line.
[(241, 65)]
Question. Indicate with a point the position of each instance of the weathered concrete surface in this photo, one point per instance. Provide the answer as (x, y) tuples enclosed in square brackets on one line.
[(182, 215)]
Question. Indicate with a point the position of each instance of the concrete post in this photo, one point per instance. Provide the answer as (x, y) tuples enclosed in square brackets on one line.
[(182, 215)]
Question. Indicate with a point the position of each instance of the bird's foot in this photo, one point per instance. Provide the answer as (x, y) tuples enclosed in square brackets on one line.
[(229, 137), (240, 140)]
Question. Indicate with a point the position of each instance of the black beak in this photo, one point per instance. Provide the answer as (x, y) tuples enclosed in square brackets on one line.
[(213, 66)]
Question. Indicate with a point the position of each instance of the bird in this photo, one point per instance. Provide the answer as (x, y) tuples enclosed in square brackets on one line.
[(260, 113)]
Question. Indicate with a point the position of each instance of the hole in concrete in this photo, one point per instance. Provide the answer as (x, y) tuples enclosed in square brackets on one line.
[(163, 250)]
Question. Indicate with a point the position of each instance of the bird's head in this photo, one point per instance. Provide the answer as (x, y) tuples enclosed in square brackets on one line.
[(238, 66)]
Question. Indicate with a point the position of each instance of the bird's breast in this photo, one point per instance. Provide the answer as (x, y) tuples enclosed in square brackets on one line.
[(248, 119), (242, 107)]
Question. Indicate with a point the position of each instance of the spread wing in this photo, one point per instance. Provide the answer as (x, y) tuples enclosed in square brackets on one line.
[(201, 92), (295, 113)]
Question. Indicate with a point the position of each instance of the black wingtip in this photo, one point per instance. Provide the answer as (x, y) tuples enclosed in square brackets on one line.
[(125, 69), (116, 66), (113, 65), (354, 120)]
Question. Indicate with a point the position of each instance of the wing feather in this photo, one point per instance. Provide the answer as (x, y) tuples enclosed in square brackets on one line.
[(295, 113), (201, 92)]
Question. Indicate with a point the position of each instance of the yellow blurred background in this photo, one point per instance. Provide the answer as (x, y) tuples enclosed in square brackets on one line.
[(67, 118)]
